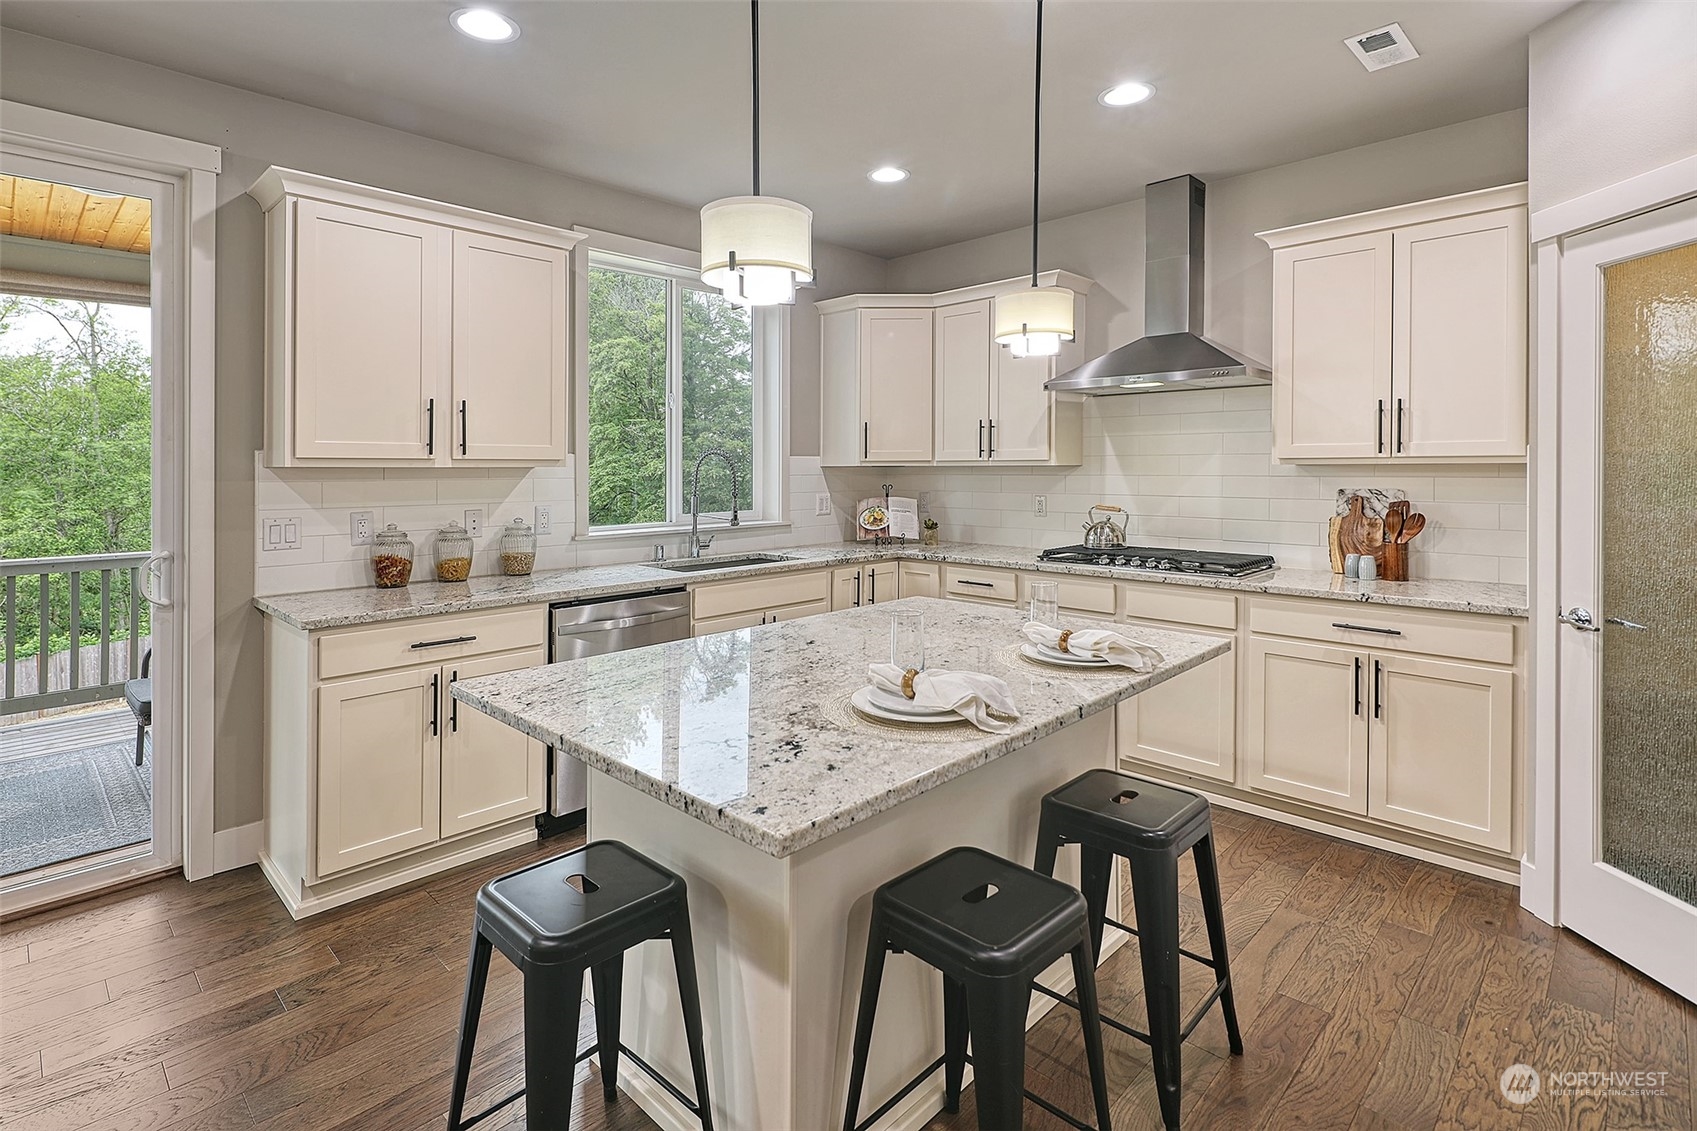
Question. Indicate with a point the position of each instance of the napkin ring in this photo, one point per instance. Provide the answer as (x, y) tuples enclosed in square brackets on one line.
[(1066, 634), (907, 681)]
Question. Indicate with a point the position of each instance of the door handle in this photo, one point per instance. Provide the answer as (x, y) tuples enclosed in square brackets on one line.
[(1366, 628), (435, 704), (453, 704), (430, 427), (440, 643), (992, 439), (872, 578), (1624, 623), (1378, 700), (1399, 424), (1580, 617), (975, 584), (1358, 685), (463, 430), (857, 589), (155, 587), (865, 439), (980, 439), (1381, 427)]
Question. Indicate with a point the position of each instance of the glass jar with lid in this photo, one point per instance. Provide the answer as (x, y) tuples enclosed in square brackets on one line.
[(391, 558), (518, 549), (453, 553)]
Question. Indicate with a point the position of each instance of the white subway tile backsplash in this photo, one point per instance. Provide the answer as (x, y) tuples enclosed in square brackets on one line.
[(1197, 467)]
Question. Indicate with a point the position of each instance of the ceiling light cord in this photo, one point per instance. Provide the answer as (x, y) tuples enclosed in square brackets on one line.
[(754, 26), (1036, 142)]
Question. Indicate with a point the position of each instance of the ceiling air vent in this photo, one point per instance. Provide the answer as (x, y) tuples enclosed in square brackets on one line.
[(1382, 47)]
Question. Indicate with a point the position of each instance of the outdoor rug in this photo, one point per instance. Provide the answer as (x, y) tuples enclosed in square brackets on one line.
[(60, 806)]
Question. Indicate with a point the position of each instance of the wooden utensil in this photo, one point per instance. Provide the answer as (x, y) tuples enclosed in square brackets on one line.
[(1393, 525), (1414, 525)]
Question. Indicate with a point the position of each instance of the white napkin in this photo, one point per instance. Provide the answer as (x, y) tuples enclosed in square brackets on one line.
[(1100, 644), (971, 695)]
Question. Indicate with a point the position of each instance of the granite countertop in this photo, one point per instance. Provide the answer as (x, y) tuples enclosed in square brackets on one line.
[(732, 730), (338, 608)]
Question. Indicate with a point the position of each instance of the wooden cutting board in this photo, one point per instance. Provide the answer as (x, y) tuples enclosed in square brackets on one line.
[(1358, 533), (1334, 542)]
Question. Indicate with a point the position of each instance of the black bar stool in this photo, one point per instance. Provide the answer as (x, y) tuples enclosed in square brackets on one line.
[(1110, 814), (555, 920), (990, 926)]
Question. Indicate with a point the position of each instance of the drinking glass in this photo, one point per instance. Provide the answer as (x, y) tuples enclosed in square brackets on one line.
[(907, 641), (1046, 603)]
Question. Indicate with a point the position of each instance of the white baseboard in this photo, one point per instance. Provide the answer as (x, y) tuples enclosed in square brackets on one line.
[(237, 847)]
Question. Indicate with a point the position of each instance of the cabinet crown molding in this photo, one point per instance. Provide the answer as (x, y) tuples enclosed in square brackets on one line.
[(276, 183), (1076, 283), (1397, 216)]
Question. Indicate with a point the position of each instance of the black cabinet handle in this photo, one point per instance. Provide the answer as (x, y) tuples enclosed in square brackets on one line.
[(975, 584), (430, 427), (1378, 701), (872, 579), (992, 439), (1381, 427), (980, 439), (463, 431), (435, 704), (865, 439), (1366, 628), (453, 704), (857, 589), (1358, 685), (1399, 424), (440, 643)]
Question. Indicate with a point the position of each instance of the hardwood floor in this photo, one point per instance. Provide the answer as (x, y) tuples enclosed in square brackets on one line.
[(1376, 994)]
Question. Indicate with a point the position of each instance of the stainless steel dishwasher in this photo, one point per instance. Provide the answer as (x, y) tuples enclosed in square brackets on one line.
[(595, 627)]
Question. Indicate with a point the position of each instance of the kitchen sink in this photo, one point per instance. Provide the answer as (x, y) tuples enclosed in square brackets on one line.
[(702, 565)]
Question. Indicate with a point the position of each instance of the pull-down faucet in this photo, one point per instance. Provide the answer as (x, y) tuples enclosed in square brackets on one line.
[(696, 542)]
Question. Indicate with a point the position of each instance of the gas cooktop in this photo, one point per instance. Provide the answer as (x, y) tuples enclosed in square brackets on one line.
[(1163, 560)]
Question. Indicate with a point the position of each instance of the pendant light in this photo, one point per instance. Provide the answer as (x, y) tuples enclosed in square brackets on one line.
[(756, 249), (1036, 320)]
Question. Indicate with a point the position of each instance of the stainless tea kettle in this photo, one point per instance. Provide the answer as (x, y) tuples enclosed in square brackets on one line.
[(1103, 533)]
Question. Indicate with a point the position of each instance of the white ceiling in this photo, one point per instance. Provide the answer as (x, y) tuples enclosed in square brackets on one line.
[(652, 95)]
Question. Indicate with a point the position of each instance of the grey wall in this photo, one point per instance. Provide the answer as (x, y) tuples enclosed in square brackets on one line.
[(1107, 245), (1613, 93), (256, 132)]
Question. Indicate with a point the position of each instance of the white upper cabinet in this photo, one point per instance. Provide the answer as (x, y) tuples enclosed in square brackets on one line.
[(406, 332), (1401, 334), (964, 399)]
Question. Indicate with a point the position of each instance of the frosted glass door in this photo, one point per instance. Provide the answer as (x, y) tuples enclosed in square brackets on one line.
[(1627, 655)]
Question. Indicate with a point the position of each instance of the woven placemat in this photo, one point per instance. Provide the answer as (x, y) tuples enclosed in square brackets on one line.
[(839, 710)]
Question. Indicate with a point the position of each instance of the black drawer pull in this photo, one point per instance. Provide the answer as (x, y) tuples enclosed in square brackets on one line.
[(976, 584), (1367, 628), (440, 643)]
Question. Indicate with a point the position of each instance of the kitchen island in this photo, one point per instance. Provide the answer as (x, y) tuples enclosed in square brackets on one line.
[(735, 760)]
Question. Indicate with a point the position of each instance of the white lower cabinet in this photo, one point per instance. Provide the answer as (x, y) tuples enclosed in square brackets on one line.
[(379, 777), (490, 771), (918, 579), (725, 606), (1440, 749), (1188, 723), (1424, 744), (858, 585), (1307, 730)]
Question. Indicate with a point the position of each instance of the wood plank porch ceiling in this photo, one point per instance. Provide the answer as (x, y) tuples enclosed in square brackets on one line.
[(44, 211)]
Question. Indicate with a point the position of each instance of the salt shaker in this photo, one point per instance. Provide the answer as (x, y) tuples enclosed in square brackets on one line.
[(1368, 570), (1352, 565)]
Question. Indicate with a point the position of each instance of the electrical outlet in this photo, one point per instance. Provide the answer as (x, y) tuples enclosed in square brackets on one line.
[(544, 519), (924, 502), (361, 526), (281, 534), (1040, 505), (821, 504), (474, 522)]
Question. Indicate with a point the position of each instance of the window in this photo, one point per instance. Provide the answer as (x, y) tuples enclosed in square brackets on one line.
[(674, 372)]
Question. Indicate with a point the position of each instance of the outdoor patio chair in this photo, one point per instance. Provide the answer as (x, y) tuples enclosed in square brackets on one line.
[(138, 693)]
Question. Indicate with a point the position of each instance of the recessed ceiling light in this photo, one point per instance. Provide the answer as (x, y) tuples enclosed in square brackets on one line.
[(887, 174), (481, 23), (1126, 94)]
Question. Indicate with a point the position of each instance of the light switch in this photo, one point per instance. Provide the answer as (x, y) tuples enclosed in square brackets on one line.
[(281, 534)]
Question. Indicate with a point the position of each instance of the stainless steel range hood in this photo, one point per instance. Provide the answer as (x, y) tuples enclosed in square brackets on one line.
[(1172, 354)]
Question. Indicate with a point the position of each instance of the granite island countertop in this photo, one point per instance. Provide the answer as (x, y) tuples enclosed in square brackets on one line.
[(340, 608), (750, 733)]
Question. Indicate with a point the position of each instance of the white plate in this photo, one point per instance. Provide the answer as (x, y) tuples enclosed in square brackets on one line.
[(862, 702), (1060, 659), (900, 704)]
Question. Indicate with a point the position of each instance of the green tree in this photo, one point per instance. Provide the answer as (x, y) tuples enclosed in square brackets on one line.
[(76, 459), (627, 396)]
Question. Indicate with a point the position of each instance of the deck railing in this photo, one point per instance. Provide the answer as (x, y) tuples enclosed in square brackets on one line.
[(58, 595)]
